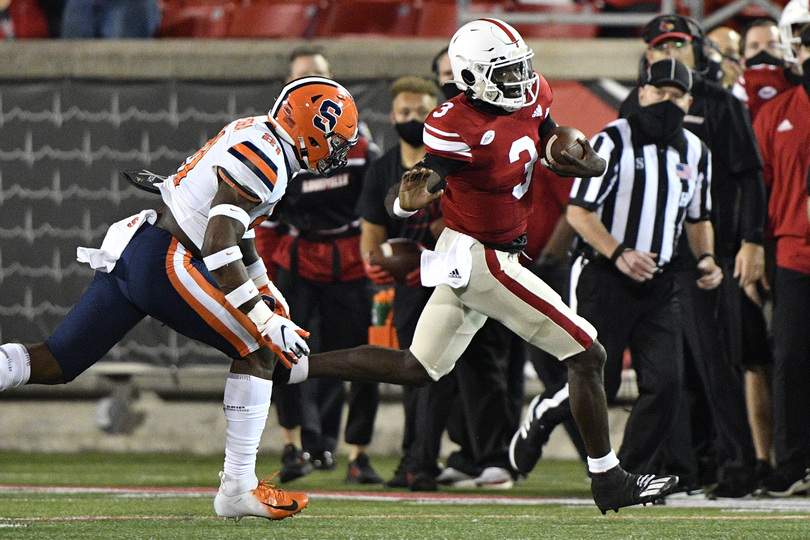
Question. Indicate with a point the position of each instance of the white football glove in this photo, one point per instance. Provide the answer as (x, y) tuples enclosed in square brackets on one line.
[(286, 339)]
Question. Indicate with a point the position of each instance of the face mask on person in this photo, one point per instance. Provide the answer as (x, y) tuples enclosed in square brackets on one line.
[(450, 90), (764, 57), (411, 132), (714, 71), (661, 121)]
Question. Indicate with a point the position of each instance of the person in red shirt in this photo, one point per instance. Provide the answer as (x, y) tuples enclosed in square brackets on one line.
[(765, 74), (783, 134), (483, 145)]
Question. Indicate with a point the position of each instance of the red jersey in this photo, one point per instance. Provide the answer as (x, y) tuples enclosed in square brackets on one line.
[(759, 84), (550, 195), (783, 134), (489, 198)]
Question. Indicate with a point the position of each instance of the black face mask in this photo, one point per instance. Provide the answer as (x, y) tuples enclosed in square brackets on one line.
[(764, 57), (450, 90), (661, 122), (411, 132), (806, 76), (714, 70)]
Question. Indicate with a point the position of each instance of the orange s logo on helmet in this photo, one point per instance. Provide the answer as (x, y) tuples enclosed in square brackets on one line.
[(319, 118)]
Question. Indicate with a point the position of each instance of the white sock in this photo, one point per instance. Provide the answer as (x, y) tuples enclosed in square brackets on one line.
[(246, 403), (299, 371), (15, 366), (603, 464)]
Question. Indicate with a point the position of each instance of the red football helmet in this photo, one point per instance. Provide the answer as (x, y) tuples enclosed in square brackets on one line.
[(319, 118)]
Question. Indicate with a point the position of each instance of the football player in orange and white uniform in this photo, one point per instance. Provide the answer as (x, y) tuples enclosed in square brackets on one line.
[(192, 264), (483, 145)]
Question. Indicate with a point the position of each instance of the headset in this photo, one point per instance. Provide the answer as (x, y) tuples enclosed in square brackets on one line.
[(699, 41)]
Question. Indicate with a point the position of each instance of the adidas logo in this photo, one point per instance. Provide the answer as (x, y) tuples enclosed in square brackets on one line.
[(654, 487), (538, 111), (784, 126), (454, 274)]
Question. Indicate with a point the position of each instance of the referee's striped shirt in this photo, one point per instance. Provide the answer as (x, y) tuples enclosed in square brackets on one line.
[(647, 191)]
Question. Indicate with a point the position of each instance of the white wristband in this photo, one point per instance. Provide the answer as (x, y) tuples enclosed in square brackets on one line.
[(398, 211), (261, 281), (242, 294), (221, 258), (260, 314), (232, 211), (256, 270)]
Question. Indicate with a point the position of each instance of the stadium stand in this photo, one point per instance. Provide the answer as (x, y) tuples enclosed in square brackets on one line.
[(202, 19), (369, 17), (268, 19)]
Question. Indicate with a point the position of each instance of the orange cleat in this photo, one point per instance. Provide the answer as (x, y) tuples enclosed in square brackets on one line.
[(264, 501)]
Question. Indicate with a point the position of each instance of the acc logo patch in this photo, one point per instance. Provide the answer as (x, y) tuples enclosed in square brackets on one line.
[(488, 137)]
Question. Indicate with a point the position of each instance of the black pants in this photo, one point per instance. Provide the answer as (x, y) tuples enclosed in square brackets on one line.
[(337, 314), (645, 318), (721, 435), (483, 416), (471, 402), (552, 372), (791, 373)]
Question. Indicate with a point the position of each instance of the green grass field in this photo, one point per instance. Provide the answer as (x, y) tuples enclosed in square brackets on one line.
[(171, 497)]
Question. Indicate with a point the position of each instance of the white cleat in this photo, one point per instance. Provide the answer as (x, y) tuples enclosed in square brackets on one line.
[(264, 501)]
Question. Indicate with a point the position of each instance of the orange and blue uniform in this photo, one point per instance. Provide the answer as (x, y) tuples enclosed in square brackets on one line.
[(158, 276)]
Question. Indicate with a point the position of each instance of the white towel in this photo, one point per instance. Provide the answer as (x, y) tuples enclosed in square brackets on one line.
[(452, 267), (118, 236)]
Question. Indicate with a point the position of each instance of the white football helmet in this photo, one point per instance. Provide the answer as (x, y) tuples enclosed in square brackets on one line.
[(795, 15), (492, 62)]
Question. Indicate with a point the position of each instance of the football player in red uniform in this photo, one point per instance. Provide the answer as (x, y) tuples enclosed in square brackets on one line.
[(483, 146)]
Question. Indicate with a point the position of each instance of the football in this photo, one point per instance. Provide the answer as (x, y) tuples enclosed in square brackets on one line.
[(398, 256), (562, 138)]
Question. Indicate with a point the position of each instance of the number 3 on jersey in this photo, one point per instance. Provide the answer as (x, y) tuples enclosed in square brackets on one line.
[(516, 151)]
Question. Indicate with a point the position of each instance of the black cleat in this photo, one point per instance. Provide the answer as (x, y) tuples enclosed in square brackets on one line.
[(361, 472), (402, 475), (787, 481), (618, 488), (542, 416), (423, 481), (294, 464)]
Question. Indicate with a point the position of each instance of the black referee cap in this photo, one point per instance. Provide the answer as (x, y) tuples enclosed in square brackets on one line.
[(669, 72)]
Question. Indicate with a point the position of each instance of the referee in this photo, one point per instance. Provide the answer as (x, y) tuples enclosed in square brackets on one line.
[(657, 182)]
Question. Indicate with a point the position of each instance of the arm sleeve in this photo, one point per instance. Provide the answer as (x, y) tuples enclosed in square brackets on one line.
[(547, 125), (442, 165), (701, 204), (733, 128), (752, 207)]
